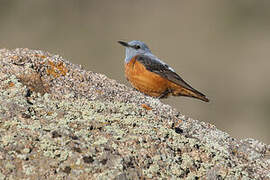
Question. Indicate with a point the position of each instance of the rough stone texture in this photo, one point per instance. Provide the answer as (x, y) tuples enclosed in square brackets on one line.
[(59, 121)]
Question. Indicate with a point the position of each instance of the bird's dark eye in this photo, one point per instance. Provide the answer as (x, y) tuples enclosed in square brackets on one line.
[(137, 47)]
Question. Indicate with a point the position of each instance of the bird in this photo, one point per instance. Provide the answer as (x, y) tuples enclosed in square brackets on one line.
[(153, 77)]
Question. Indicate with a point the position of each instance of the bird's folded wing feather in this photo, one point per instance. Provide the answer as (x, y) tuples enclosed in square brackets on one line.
[(155, 65)]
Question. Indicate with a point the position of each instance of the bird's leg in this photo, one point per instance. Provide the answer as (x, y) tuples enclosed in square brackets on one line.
[(164, 94)]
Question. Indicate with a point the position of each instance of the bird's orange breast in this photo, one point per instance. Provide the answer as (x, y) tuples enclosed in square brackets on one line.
[(143, 80)]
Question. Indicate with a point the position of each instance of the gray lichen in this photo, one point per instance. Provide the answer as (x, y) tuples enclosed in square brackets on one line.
[(78, 124)]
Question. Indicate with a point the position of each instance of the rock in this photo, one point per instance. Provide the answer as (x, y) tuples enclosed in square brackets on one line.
[(58, 120)]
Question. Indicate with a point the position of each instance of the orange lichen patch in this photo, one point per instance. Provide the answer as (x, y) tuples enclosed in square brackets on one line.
[(15, 57), (147, 107), (49, 113), (40, 56), (11, 84), (177, 123), (56, 69), (34, 83)]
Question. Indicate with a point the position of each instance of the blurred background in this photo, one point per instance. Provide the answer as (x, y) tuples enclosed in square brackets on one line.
[(222, 48)]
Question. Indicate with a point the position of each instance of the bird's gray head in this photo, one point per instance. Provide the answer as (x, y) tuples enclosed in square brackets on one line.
[(134, 48)]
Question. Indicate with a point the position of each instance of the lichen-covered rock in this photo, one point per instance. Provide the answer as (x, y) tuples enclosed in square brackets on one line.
[(60, 121)]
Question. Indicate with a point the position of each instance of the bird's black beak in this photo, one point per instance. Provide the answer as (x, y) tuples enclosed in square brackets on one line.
[(123, 43)]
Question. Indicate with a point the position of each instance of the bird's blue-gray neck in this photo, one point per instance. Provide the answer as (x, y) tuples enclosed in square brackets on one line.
[(131, 53), (135, 48)]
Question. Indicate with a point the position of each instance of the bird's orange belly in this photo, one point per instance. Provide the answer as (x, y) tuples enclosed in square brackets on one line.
[(145, 81)]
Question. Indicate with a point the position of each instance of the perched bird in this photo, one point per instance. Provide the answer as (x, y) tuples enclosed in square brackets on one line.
[(153, 77)]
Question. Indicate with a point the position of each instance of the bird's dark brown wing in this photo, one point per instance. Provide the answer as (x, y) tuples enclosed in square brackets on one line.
[(162, 69)]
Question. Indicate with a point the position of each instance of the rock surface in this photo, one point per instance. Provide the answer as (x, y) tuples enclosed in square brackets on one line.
[(59, 121)]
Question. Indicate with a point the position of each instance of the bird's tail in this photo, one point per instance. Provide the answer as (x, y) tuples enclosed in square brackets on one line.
[(190, 93)]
